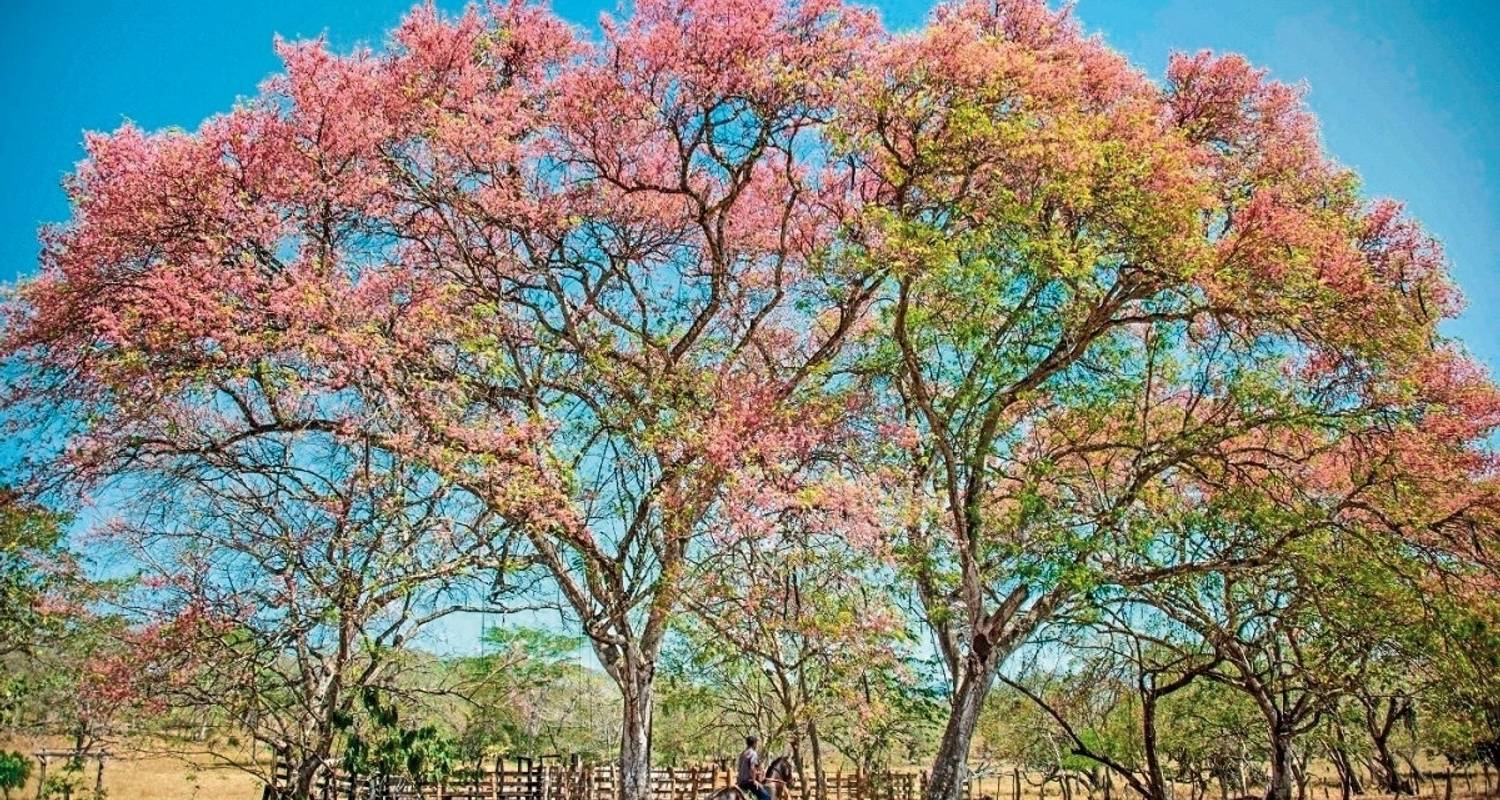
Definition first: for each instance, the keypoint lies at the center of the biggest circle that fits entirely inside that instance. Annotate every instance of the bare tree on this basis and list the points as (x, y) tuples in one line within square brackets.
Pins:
[(281, 579)]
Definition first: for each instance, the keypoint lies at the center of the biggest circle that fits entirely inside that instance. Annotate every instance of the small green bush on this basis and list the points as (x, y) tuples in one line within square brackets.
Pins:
[(15, 768)]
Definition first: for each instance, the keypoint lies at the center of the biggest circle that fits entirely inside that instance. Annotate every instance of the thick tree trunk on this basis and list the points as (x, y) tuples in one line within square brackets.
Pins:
[(1388, 772), (305, 776), (950, 765), (309, 769), (635, 740), (1279, 784)]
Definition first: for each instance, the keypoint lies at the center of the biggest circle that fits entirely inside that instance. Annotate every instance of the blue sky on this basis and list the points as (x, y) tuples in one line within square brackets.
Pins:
[(1403, 89)]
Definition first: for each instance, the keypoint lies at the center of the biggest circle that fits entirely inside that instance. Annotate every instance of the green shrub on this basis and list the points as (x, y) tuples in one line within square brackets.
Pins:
[(15, 768)]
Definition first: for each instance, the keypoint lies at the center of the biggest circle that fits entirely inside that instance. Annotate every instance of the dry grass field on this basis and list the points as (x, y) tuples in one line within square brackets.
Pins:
[(145, 776), (162, 778)]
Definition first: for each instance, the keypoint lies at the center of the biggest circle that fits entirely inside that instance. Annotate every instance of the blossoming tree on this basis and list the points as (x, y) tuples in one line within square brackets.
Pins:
[(593, 286), (1118, 306)]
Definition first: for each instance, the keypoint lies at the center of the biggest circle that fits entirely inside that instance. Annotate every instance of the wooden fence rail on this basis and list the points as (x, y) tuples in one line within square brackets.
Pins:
[(554, 779)]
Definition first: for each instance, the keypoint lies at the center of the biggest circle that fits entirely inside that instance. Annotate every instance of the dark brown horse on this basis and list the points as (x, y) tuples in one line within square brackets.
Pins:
[(780, 776)]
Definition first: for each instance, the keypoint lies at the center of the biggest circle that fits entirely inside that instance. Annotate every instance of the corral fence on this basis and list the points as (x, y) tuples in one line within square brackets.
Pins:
[(575, 779)]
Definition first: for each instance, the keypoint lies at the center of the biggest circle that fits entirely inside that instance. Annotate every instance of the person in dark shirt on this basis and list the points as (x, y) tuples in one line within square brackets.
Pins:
[(749, 774)]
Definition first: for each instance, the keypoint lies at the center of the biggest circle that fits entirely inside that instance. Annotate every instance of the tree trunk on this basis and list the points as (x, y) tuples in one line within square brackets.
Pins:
[(950, 764), (1388, 772), (1279, 782), (820, 778), (305, 777), (312, 762), (1416, 775), (1155, 776), (635, 740), (1348, 776), (797, 752), (1299, 772)]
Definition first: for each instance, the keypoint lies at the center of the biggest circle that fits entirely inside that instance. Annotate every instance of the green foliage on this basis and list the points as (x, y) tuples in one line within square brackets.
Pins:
[(1209, 729), (526, 694), (15, 769), (70, 783), (33, 562), (1013, 730), (14, 690), (52, 687), (525, 657), (377, 743)]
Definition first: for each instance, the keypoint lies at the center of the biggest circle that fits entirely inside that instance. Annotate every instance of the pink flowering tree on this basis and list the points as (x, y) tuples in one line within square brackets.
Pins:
[(593, 287), (1116, 306), (652, 333)]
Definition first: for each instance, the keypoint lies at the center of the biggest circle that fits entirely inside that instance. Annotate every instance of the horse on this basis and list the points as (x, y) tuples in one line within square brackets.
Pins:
[(780, 776)]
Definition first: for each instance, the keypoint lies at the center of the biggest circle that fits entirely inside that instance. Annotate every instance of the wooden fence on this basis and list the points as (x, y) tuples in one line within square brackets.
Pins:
[(502, 779), (573, 779), (885, 785)]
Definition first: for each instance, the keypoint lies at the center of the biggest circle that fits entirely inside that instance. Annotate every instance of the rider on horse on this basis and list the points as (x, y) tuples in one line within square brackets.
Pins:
[(750, 773)]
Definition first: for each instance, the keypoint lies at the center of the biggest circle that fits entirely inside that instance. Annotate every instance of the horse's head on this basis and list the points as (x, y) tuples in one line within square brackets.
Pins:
[(782, 769)]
